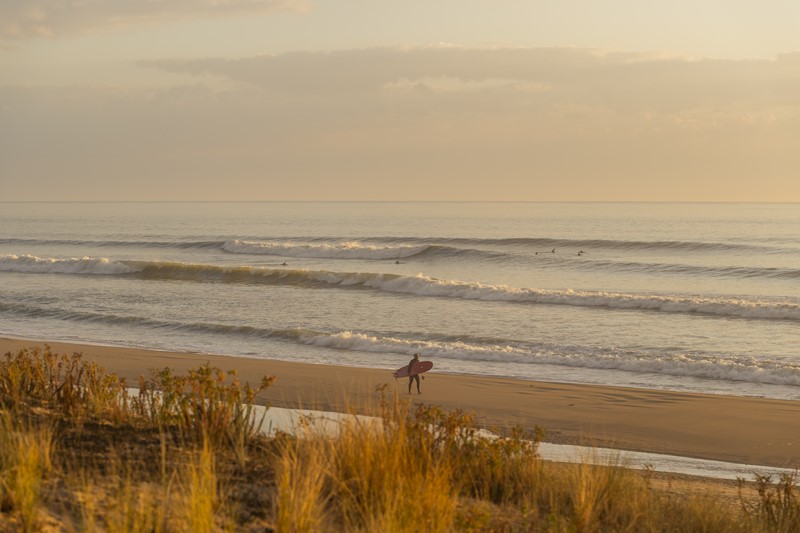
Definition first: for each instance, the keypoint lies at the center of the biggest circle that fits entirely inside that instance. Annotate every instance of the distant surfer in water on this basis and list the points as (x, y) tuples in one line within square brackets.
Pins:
[(415, 376)]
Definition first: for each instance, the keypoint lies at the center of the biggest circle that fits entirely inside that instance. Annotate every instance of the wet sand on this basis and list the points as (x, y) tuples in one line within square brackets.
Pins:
[(727, 428)]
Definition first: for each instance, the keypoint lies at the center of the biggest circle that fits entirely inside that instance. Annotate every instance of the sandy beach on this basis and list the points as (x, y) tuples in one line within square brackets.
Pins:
[(738, 429)]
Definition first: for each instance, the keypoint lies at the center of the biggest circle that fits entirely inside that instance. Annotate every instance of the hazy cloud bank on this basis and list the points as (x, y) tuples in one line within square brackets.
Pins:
[(445, 123), (588, 76)]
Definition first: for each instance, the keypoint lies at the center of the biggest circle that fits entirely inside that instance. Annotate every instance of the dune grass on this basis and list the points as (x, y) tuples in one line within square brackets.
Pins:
[(25, 451), (79, 453)]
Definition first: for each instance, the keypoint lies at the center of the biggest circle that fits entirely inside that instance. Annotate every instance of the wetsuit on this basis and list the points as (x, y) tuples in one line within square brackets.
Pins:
[(414, 377)]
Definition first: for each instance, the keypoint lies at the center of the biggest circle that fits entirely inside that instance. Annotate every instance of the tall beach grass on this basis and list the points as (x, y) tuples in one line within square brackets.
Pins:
[(79, 453)]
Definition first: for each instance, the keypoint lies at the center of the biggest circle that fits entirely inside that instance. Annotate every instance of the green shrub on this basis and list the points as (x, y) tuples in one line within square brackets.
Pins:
[(202, 405), (64, 383)]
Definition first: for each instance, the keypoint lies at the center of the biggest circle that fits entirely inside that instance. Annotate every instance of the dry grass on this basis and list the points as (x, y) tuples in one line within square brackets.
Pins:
[(25, 452), (301, 476), (204, 405), (62, 383), (78, 454)]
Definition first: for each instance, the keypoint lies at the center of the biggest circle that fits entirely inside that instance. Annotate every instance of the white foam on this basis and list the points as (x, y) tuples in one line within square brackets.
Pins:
[(74, 265), (729, 306), (342, 250), (688, 365), (427, 286), (456, 350)]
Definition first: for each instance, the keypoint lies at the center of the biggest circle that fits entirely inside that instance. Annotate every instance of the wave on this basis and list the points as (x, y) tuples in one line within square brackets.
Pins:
[(680, 269), (510, 251), (358, 250), (328, 245), (49, 265), (419, 285), (468, 348), (546, 244), (532, 244), (341, 250), (355, 250), (681, 365)]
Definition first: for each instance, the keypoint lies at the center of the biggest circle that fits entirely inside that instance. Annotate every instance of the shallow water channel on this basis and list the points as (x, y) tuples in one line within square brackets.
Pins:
[(295, 420)]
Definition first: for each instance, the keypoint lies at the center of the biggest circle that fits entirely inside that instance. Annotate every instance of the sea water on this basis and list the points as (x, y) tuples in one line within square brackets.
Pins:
[(687, 297)]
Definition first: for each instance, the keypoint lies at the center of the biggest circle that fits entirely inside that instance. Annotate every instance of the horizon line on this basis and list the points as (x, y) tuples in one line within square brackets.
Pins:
[(403, 201)]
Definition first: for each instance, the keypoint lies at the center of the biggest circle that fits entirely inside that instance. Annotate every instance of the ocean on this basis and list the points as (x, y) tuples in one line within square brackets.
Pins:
[(686, 297)]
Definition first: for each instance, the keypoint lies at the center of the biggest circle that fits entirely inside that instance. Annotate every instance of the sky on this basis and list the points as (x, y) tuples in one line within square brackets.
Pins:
[(453, 100)]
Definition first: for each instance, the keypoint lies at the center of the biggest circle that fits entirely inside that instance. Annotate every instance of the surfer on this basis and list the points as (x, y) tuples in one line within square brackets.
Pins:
[(411, 378)]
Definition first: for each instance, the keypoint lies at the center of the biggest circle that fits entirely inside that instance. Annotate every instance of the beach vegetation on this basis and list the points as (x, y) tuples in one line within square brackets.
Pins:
[(62, 383), (777, 505), (206, 405), (25, 460), (79, 451)]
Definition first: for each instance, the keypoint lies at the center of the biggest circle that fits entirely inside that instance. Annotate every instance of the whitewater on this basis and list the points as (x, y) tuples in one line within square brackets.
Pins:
[(689, 297)]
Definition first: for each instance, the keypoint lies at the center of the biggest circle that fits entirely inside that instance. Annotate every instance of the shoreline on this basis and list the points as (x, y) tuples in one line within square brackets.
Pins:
[(746, 430)]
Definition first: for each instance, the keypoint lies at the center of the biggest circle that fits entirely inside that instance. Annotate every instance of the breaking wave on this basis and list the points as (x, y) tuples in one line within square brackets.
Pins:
[(420, 285), (262, 245), (685, 365), (342, 250), (545, 244), (682, 269), (75, 265), (467, 348), (527, 252)]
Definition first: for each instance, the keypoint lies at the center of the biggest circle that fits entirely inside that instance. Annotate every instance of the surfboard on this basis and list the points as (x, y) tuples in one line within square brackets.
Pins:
[(418, 368)]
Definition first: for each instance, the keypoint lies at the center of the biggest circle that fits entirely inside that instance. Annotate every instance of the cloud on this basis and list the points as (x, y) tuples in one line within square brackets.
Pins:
[(27, 19), (421, 123), (371, 69), (619, 80)]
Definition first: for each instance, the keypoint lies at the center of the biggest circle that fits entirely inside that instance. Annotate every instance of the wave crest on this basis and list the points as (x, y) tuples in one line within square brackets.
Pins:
[(74, 265), (342, 250), (684, 365), (466, 348), (419, 285)]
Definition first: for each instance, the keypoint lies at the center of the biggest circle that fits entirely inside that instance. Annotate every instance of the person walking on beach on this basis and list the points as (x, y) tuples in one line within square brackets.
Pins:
[(415, 376)]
